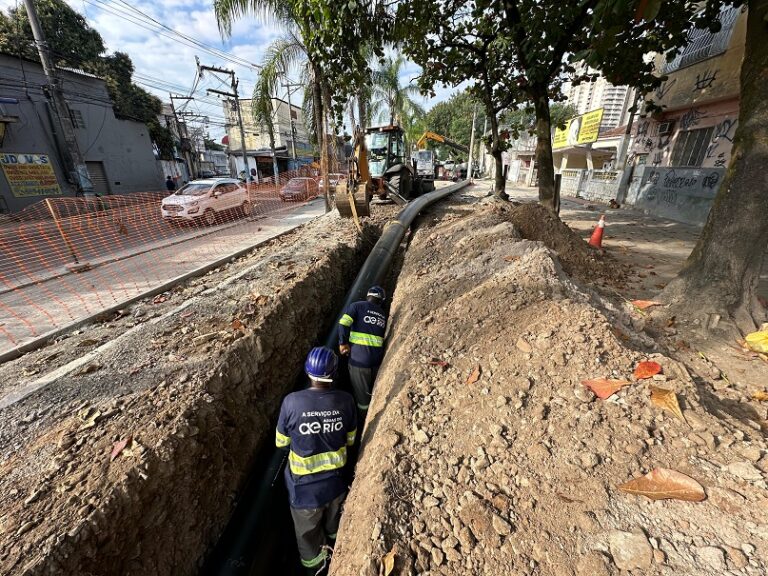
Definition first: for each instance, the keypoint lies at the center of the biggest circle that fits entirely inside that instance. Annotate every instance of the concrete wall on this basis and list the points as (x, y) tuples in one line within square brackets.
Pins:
[(123, 146), (682, 194)]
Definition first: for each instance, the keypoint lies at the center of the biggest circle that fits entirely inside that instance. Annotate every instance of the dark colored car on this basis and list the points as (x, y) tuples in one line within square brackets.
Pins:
[(299, 189)]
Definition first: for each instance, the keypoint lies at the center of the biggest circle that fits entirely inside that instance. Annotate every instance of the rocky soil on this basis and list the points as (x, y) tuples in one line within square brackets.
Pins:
[(484, 454), (130, 462)]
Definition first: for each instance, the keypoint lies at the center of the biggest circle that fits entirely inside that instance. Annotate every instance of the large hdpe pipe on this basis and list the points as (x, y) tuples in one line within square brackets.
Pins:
[(249, 541)]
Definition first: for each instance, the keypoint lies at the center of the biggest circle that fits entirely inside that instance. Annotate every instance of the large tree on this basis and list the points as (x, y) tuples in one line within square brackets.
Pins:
[(453, 118), (721, 275)]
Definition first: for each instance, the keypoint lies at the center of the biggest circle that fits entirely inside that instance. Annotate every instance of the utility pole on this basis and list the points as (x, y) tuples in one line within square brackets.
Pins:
[(183, 136), (472, 141), (235, 97), (288, 86), (69, 149)]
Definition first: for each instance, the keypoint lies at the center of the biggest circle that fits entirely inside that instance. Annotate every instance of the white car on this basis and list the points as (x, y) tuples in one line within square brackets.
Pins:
[(206, 199)]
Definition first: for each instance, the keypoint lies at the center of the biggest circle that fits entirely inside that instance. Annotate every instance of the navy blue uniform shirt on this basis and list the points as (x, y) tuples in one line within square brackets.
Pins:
[(363, 326), (317, 426)]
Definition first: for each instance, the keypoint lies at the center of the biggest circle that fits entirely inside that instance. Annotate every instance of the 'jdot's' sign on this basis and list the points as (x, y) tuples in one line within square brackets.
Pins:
[(30, 175)]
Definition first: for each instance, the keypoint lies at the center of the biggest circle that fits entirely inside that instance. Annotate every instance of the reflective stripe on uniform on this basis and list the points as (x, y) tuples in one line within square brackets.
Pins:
[(346, 320), (364, 339), (362, 407), (351, 437), (316, 561), (303, 465), (332, 536), (281, 440)]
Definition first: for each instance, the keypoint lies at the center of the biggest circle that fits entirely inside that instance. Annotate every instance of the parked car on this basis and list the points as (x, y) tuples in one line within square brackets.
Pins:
[(334, 178), (299, 189), (206, 199)]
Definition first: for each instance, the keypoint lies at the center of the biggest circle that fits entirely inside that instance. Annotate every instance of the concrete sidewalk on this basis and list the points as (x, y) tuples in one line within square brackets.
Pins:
[(36, 310)]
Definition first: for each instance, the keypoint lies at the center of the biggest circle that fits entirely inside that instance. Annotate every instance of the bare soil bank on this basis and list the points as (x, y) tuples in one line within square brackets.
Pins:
[(131, 463), (484, 454)]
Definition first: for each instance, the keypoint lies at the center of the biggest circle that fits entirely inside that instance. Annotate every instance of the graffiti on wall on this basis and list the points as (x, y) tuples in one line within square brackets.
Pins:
[(664, 89), (690, 118), (668, 185), (705, 80), (722, 135)]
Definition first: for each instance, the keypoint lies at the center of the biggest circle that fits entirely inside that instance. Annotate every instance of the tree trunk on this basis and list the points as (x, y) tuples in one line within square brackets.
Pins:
[(351, 111), (362, 111), (499, 183), (317, 104), (544, 161), (721, 275)]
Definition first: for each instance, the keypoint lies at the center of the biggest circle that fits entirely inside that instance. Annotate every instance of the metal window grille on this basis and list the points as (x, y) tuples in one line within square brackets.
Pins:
[(703, 44), (691, 147), (77, 118)]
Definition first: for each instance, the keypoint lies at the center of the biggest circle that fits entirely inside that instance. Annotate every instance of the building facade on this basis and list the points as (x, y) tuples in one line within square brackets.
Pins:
[(118, 153), (257, 137), (614, 100)]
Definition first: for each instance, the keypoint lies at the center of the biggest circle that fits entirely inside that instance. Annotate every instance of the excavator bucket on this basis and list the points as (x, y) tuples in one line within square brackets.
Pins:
[(353, 203)]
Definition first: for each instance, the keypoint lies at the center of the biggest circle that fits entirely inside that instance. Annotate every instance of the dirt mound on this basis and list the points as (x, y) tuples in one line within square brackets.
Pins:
[(484, 454), (578, 258)]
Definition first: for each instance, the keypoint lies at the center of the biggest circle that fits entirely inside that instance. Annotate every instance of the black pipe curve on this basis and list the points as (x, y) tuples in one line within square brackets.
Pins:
[(240, 549)]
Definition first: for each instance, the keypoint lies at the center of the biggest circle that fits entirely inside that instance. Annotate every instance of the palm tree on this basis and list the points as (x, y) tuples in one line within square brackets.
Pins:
[(390, 97), (283, 53)]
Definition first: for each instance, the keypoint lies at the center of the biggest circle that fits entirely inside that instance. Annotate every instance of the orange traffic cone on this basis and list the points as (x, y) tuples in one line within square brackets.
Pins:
[(596, 240)]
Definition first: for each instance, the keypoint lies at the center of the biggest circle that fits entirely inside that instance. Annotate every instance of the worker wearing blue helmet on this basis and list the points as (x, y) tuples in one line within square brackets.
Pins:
[(317, 425), (361, 337)]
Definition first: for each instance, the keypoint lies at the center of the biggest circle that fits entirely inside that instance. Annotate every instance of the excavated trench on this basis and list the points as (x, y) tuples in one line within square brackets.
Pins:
[(259, 539), (192, 398)]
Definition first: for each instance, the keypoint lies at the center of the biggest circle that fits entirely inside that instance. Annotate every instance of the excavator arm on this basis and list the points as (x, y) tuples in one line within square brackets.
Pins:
[(353, 197), (421, 143)]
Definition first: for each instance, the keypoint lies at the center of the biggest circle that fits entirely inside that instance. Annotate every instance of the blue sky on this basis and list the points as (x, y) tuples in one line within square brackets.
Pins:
[(164, 64)]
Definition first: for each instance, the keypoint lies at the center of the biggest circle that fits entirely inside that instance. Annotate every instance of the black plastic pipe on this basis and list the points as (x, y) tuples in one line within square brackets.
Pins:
[(249, 543)]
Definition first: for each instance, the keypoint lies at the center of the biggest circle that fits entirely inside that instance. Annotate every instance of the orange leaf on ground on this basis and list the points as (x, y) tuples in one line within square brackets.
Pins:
[(643, 304), (388, 563), (604, 387), (760, 396), (475, 376), (662, 483), (119, 447), (666, 400), (236, 324), (647, 370)]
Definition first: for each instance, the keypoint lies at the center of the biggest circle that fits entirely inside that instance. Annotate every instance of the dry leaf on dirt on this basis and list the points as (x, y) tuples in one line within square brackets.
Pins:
[(118, 447), (662, 483), (387, 563), (259, 299), (647, 370), (438, 362), (159, 299), (760, 396), (643, 304), (666, 400), (605, 387), (237, 324), (475, 376)]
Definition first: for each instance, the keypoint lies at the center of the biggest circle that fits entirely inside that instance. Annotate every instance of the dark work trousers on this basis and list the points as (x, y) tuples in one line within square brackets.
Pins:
[(313, 526), (362, 380)]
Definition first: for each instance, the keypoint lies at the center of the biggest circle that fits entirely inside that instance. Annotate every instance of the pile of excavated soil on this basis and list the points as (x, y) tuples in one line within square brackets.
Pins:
[(579, 259), (484, 454), (130, 464)]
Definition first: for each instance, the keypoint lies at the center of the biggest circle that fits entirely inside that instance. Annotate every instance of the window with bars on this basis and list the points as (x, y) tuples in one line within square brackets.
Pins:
[(77, 118), (691, 147), (703, 44)]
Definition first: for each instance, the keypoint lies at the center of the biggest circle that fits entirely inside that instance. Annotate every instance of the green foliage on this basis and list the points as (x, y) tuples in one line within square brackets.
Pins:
[(453, 118), (71, 40), (212, 145), (391, 102)]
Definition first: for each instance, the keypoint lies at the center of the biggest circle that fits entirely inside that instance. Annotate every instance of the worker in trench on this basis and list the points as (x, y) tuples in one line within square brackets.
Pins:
[(317, 425), (361, 337)]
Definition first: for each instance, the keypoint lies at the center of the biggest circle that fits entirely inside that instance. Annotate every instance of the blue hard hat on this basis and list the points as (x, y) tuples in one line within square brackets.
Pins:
[(376, 292), (321, 364)]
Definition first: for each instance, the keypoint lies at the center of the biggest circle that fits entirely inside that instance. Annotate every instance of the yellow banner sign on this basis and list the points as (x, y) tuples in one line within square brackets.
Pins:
[(30, 175), (582, 129)]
